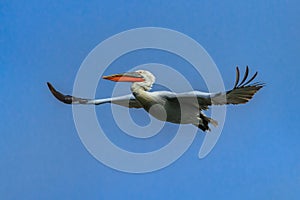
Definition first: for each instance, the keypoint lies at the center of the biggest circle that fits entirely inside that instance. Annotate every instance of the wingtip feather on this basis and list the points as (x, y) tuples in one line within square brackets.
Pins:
[(237, 79), (59, 96)]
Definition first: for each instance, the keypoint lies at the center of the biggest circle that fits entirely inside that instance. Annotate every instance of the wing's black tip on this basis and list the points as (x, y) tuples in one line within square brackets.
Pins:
[(237, 79), (244, 82), (63, 98), (51, 88)]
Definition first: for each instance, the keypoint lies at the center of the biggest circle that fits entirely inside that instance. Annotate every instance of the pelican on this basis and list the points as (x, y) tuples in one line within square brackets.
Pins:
[(178, 108)]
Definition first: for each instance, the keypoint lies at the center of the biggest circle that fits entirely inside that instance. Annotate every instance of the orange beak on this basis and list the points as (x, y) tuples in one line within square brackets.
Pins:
[(125, 77)]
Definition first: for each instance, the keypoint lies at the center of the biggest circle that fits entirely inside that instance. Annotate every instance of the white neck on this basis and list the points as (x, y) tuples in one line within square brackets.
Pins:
[(141, 86)]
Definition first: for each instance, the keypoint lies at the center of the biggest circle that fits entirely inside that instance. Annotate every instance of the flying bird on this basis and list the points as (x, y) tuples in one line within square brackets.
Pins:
[(178, 108)]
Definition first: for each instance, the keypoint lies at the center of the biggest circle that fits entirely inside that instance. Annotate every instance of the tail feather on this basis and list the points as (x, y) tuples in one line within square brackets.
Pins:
[(204, 122)]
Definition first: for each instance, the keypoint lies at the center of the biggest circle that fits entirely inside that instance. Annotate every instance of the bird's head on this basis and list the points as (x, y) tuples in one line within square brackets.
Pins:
[(140, 79)]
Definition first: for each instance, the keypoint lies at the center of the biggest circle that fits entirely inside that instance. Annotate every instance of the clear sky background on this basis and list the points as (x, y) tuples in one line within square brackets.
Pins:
[(41, 155)]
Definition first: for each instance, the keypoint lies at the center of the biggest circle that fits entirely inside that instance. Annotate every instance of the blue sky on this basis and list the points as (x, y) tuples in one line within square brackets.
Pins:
[(42, 157)]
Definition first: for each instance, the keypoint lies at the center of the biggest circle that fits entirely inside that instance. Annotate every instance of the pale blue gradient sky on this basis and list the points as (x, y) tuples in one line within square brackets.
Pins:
[(41, 155)]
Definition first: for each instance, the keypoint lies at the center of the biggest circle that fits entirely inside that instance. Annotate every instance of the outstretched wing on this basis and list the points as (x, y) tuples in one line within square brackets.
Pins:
[(126, 100), (241, 93)]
